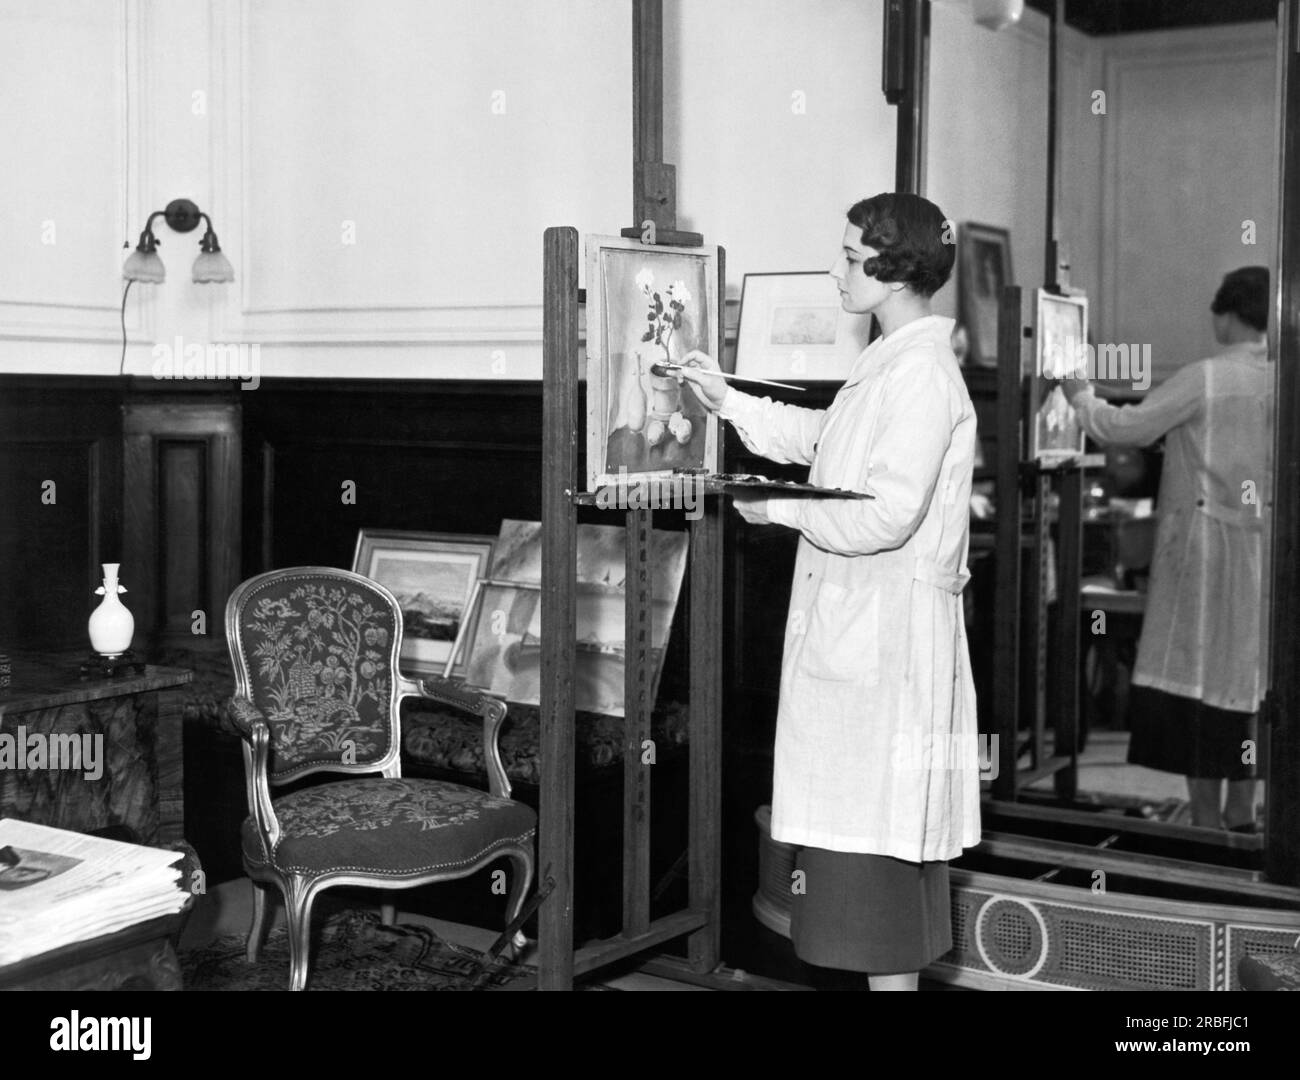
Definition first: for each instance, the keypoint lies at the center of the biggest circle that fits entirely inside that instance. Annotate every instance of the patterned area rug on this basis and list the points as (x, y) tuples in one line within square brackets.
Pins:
[(352, 950)]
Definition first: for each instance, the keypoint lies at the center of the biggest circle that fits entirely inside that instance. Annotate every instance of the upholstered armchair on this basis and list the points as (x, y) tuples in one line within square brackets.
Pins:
[(315, 654)]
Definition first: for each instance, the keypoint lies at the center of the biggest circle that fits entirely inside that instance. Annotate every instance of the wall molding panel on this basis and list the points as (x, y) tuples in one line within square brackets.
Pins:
[(81, 309), (1145, 64)]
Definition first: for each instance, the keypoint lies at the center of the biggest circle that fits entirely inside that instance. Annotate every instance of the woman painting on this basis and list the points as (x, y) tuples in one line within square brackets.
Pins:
[(1198, 678), (876, 767)]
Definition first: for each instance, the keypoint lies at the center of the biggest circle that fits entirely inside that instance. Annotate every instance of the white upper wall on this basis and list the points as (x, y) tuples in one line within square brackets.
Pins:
[(1190, 157), (62, 189), (380, 174), (1155, 189), (776, 122), (987, 152)]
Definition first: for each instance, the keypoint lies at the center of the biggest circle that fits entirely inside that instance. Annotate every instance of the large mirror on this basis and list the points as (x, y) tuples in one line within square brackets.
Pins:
[(1169, 118)]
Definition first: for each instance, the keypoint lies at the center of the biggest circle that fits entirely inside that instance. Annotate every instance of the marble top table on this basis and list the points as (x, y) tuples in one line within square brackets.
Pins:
[(89, 753)]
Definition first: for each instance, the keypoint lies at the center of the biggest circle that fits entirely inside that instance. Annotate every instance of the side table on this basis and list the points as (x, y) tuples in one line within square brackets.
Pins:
[(133, 724), (141, 957)]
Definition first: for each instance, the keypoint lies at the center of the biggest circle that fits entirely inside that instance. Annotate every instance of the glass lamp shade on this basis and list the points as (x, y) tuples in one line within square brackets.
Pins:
[(212, 268), (996, 14), (144, 266)]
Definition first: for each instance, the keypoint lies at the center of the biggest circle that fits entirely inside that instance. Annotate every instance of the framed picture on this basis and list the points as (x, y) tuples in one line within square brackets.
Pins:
[(507, 599), (793, 327), (984, 267), (502, 638), (1061, 329), (433, 576), (647, 305)]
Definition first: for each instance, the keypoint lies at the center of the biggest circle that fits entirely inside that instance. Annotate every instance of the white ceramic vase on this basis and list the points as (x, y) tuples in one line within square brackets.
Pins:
[(111, 624)]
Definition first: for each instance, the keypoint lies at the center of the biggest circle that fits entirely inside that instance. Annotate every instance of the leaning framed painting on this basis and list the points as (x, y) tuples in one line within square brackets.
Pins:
[(647, 305), (501, 639), (506, 594), (794, 326), (433, 576), (983, 268)]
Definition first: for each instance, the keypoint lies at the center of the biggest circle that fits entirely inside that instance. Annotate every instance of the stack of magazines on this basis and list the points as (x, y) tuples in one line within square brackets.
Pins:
[(59, 887)]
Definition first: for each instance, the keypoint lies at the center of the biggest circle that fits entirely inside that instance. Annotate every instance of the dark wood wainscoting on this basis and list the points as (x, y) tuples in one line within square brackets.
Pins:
[(194, 487), (60, 506), (323, 460), (181, 516)]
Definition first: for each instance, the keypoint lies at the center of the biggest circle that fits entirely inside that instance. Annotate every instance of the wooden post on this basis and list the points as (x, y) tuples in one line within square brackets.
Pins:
[(1034, 685), (905, 73), (636, 725), (1065, 677), (1056, 270), (1058, 667), (559, 607), (654, 183), (1006, 616), (1282, 855), (705, 826)]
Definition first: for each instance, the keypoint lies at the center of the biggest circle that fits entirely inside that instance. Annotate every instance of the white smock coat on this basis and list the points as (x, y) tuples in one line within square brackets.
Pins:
[(876, 741), (1203, 634)]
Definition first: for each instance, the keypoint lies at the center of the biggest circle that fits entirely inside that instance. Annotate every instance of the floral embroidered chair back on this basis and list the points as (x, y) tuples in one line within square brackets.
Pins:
[(316, 652)]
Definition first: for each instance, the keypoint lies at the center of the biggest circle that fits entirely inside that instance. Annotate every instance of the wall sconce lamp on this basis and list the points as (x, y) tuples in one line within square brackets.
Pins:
[(144, 263)]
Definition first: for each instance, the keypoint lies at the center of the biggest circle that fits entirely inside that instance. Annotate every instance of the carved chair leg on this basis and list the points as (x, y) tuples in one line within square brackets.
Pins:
[(522, 878), (388, 914), (258, 926), (300, 894)]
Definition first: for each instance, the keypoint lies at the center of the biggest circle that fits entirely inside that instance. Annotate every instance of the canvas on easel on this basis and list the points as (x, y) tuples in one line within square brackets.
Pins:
[(1061, 334), (647, 305), (650, 305)]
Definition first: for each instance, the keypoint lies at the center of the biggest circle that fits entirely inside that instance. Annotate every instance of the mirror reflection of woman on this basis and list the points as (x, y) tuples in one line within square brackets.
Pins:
[(876, 766), (1198, 679)]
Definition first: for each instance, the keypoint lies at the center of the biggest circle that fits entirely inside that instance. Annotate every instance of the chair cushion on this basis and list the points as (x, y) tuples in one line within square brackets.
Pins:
[(402, 826)]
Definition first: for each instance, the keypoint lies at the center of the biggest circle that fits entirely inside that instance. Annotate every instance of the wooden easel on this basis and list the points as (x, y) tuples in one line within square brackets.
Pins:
[(654, 203), (1042, 679)]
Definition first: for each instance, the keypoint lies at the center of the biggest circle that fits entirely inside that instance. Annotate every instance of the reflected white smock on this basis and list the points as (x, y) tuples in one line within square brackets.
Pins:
[(875, 678), (1204, 631)]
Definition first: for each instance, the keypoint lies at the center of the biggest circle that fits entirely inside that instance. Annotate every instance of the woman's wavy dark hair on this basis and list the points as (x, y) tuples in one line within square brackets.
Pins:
[(1244, 293), (915, 241)]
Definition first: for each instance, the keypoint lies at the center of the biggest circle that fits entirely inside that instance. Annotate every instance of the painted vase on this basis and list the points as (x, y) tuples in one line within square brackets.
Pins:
[(631, 400), (111, 624), (666, 422)]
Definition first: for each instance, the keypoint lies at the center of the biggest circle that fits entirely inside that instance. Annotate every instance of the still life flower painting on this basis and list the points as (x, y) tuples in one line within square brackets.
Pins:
[(647, 307)]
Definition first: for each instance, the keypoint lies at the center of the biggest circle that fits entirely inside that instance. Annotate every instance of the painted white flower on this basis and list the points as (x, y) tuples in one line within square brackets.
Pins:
[(678, 291), (645, 279)]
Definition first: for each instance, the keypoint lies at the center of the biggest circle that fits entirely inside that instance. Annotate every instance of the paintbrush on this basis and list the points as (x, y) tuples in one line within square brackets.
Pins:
[(668, 369)]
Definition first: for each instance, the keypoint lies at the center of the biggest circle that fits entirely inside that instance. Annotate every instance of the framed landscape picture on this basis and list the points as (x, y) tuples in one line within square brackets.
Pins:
[(433, 576), (647, 305), (794, 327), (983, 268), (1061, 332)]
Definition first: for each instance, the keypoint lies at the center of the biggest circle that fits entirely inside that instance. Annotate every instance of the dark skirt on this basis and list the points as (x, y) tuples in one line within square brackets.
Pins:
[(1184, 735), (870, 913)]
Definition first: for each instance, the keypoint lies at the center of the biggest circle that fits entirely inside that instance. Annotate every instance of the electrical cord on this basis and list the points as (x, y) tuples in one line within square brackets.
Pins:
[(121, 367)]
